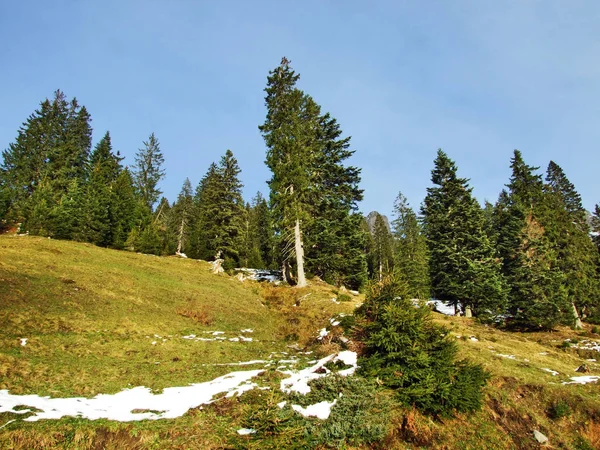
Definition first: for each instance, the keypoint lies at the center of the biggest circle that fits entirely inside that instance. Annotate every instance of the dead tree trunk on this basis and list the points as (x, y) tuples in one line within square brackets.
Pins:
[(299, 254), (578, 324)]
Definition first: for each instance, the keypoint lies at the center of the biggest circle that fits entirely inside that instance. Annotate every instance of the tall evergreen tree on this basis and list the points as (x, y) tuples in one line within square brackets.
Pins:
[(290, 134), (411, 257), (382, 251), (261, 224), (51, 151), (122, 208), (220, 212), (334, 238), (462, 265), (538, 298), (99, 199), (148, 171), (566, 225), (181, 216)]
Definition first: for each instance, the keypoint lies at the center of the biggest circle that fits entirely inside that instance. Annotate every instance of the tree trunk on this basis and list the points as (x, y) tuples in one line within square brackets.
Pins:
[(180, 238), (380, 270), (299, 254), (468, 312), (578, 324)]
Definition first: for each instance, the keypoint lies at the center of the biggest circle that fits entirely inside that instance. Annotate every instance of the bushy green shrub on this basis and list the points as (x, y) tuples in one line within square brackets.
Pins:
[(344, 298), (409, 353), (559, 409)]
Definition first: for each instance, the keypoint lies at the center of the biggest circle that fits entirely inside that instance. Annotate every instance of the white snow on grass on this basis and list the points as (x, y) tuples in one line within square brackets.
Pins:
[(322, 333), (135, 404), (298, 381), (506, 356), (441, 307), (23, 342), (319, 410), (553, 372), (583, 379), (139, 403), (247, 330), (246, 431)]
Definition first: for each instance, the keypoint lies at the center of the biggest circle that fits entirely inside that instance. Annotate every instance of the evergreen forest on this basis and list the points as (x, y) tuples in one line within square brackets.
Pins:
[(529, 261)]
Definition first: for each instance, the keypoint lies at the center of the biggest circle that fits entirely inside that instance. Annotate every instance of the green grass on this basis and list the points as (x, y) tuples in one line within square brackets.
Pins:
[(90, 316)]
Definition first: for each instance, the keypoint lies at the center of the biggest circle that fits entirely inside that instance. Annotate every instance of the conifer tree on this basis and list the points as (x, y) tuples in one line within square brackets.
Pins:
[(148, 171), (260, 223), (334, 238), (122, 208), (568, 231), (382, 249), (220, 212), (289, 131), (99, 200), (411, 258), (538, 298), (51, 150), (462, 265), (181, 216)]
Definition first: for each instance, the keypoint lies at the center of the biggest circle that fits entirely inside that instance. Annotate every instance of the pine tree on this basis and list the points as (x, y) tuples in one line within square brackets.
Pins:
[(411, 257), (462, 265), (334, 238), (538, 298), (382, 251), (122, 208), (98, 207), (181, 216), (408, 352), (568, 231), (290, 134), (220, 213), (50, 152), (148, 171), (260, 223)]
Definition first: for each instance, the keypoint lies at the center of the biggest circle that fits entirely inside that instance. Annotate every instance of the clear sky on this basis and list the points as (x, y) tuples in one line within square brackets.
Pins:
[(404, 78)]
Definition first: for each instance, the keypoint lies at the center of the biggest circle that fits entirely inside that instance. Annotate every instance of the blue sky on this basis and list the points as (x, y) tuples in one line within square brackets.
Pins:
[(404, 78)]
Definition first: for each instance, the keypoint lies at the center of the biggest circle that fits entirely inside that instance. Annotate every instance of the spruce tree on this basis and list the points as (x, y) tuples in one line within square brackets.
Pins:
[(260, 223), (334, 238), (220, 213), (408, 352), (538, 297), (148, 171), (290, 135), (50, 152), (462, 265), (122, 208), (566, 225), (181, 213), (411, 257), (99, 200), (382, 251)]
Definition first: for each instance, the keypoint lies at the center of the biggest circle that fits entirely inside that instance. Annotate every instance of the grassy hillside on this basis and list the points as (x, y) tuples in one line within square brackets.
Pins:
[(98, 321)]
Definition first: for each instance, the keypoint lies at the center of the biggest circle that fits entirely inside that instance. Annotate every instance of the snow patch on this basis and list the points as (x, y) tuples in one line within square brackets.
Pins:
[(319, 410), (583, 380), (506, 356), (23, 342), (246, 431), (171, 403), (441, 307), (322, 333), (553, 372), (298, 381)]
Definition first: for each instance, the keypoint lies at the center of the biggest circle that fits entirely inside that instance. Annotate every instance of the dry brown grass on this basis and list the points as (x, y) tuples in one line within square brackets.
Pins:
[(201, 313)]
